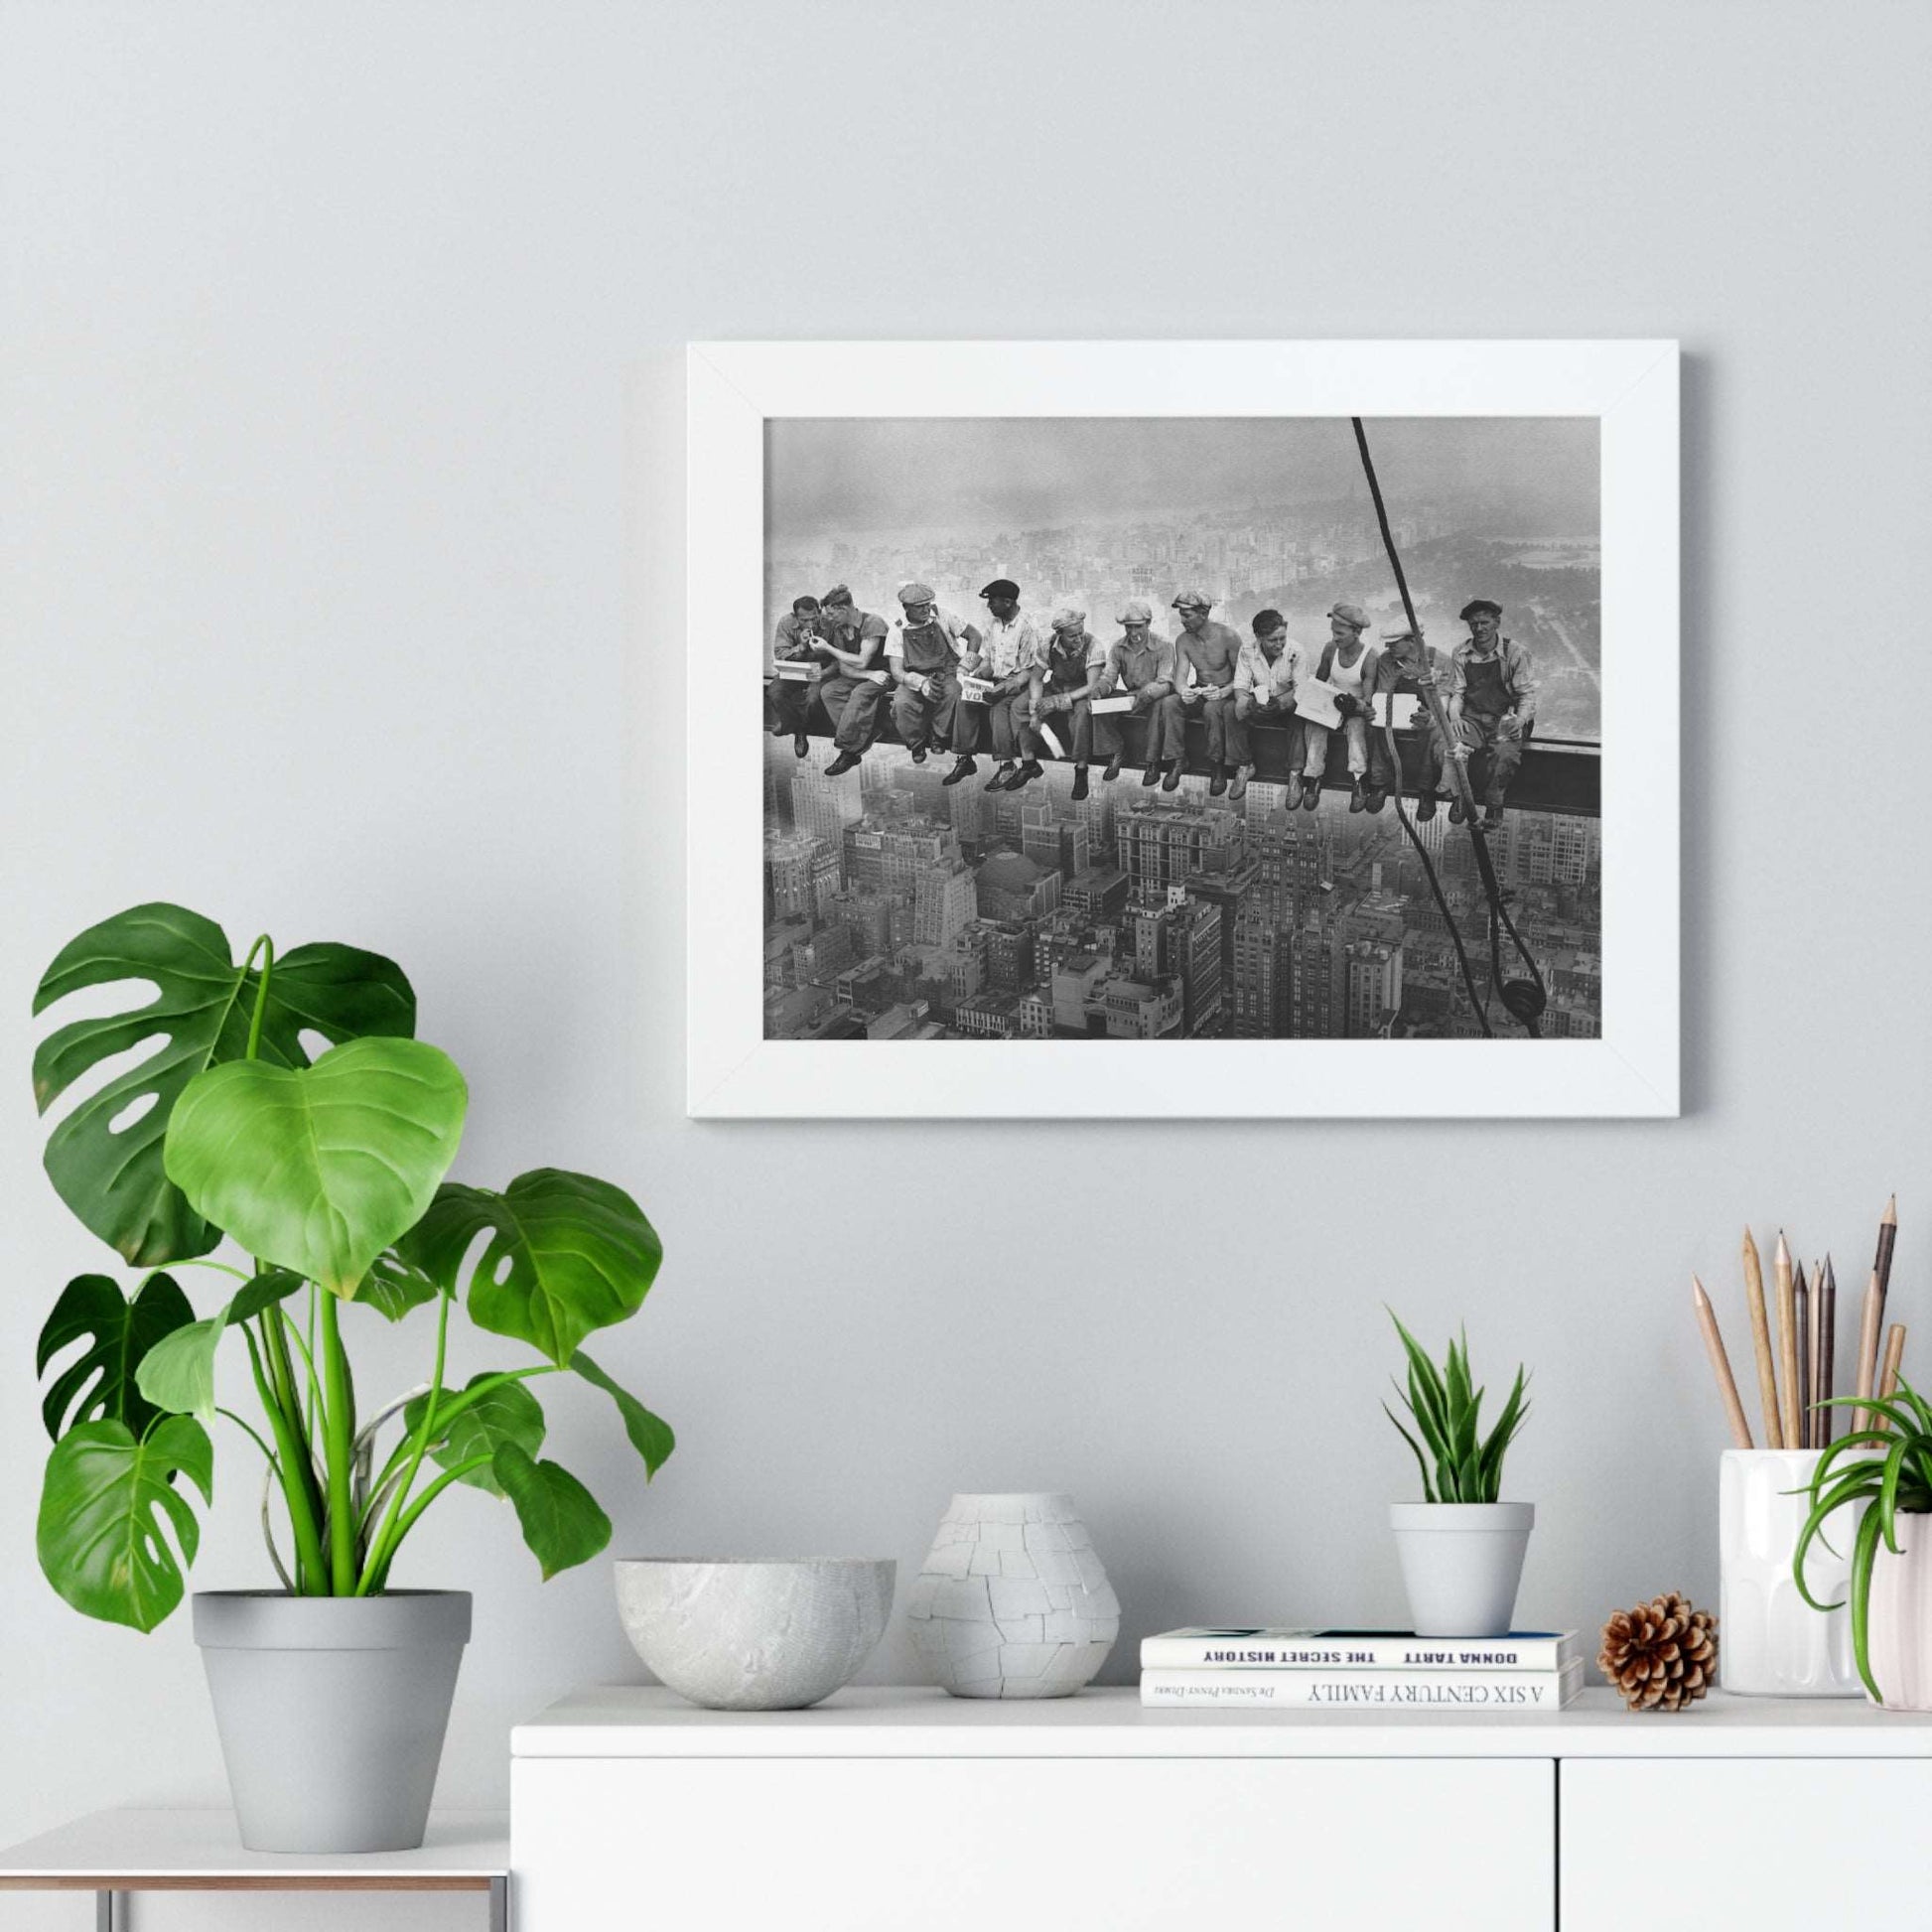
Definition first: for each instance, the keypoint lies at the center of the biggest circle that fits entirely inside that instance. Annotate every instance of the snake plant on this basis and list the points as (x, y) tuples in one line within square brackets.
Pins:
[(1447, 1408)]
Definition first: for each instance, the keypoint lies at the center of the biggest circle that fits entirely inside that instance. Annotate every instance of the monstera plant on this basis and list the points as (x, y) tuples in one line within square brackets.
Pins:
[(327, 1170)]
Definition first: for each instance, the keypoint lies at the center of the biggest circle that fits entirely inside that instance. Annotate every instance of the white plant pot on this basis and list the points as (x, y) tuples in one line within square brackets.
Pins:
[(1770, 1641), (1899, 1638), (1461, 1563), (1012, 1600)]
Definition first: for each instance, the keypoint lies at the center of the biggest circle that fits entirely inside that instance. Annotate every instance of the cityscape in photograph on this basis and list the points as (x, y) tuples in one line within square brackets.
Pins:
[(899, 908)]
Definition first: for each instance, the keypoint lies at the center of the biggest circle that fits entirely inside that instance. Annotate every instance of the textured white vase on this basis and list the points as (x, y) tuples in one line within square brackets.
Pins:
[(1012, 1600), (738, 1635), (1899, 1639), (1461, 1563), (1770, 1641)]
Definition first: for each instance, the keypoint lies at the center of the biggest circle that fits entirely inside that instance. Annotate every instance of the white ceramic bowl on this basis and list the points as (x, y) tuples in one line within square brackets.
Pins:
[(739, 1634)]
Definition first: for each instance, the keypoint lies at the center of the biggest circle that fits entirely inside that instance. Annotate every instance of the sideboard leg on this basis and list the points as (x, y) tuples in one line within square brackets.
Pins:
[(106, 1917), (499, 1905)]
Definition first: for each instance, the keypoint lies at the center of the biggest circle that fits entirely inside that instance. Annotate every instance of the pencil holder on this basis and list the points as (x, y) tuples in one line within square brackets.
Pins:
[(1771, 1642)]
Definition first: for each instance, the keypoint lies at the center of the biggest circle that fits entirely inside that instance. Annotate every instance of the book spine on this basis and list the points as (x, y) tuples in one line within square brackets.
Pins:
[(1354, 1653), (1360, 1690)]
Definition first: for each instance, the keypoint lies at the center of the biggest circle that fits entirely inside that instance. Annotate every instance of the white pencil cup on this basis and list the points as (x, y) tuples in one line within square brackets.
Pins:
[(1770, 1641)]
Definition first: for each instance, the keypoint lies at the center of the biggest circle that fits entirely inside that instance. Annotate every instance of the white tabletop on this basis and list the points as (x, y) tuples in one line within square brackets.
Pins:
[(132, 1851), (636, 1720)]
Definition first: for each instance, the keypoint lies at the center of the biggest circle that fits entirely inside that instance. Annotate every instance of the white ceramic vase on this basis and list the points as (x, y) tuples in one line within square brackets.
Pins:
[(1012, 1600), (1899, 1638), (1770, 1641), (1461, 1563)]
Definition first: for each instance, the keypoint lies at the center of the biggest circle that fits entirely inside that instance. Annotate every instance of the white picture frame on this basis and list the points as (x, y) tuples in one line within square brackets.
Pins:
[(1631, 1071)]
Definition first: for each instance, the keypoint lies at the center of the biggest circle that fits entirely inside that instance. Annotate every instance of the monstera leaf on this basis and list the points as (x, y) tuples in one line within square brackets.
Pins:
[(650, 1435), (320, 1169), (508, 1413), (105, 1507), (394, 1284), (560, 1519), (177, 1375), (99, 1385), (566, 1255), (202, 1006)]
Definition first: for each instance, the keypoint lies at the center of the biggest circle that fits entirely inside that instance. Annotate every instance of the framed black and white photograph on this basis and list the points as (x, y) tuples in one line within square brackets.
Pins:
[(1184, 729)]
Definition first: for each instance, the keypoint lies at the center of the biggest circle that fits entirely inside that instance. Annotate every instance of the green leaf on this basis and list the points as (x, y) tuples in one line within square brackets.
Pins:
[(320, 1169), (393, 1286), (115, 1182), (178, 1374), (121, 1331), (1428, 1487), (106, 1507), (650, 1435), (561, 1521), (566, 1255), (263, 1291), (508, 1413)]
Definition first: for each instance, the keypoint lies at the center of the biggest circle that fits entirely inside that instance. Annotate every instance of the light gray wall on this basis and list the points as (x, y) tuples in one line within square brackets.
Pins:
[(342, 598)]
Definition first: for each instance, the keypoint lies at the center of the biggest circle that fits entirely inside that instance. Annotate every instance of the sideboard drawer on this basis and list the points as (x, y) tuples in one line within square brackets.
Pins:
[(1686, 1846), (1034, 1845)]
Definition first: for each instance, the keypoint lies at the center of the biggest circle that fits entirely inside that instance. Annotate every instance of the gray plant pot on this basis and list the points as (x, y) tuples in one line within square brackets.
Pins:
[(331, 1710)]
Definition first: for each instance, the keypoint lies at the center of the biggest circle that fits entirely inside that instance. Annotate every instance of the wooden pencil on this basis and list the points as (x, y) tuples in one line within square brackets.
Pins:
[(1895, 1360), (1801, 1326), (1768, 1376), (1868, 1351), (1827, 1354), (1882, 1261), (1714, 1346)]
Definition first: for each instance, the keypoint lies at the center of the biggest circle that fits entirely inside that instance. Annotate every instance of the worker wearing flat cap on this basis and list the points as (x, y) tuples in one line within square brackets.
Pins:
[(857, 684), (1141, 665), (1067, 678), (923, 653), (1009, 647), (1404, 662), (1264, 694), (1491, 703), (1208, 656), (789, 698), (1348, 665)]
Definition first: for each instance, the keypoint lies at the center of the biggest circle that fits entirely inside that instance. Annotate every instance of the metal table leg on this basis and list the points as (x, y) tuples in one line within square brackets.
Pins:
[(499, 1905), (109, 1917)]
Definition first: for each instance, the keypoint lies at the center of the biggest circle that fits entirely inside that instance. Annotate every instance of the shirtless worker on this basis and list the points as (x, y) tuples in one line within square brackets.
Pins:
[(1208, 653)]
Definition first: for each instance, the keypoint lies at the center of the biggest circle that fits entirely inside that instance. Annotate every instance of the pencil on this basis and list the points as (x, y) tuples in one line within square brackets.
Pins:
[(1714, 1346), (1801, 1327), (1768, 1376), (1889, 1376), (1788, 1398), (1827, 1354), (1882, 1261), (1868, 1351)]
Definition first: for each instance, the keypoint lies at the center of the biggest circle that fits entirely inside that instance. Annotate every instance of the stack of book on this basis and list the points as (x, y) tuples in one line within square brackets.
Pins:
[(1234, 1669)]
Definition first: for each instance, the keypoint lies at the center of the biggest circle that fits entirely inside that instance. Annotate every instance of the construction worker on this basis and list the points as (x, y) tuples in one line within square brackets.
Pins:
[(856, 686), (1009, 647), (1208, 653), (1263, 693), (1142, 665), (1491, 705), (1402, 657), (1070, 674), (1347, 663), (923, 653), (787, 701)]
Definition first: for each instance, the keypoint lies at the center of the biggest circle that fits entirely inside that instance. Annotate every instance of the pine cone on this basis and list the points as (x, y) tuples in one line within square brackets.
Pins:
[(1661, 1655)]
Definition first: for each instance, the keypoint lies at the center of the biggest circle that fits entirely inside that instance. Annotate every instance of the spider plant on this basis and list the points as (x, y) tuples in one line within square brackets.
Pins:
[(1446, 1407), (1885, 1465)]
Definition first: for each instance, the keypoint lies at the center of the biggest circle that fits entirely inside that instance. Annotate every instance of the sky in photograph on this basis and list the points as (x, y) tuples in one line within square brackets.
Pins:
[(841, 477)]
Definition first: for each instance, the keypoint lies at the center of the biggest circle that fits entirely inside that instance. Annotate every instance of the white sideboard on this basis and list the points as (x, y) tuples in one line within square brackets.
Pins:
[(908, 1811)]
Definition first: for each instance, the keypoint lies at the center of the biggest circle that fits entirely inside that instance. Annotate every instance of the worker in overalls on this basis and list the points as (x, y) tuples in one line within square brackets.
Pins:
[(1141, 665), (923, 653), (1402, 657), (1347, 663), (855, 690), (1009, 647), (787, 701), (1264, 694), (1208, 653), (1068, 677), (1491, 705)]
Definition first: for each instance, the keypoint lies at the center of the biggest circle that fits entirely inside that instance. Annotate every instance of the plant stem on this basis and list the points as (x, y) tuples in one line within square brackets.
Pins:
[(424, 1434), (422, 1502), (309, 1569), (252, 1435), (338, 1450), (282, 1374), (265, 946)]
